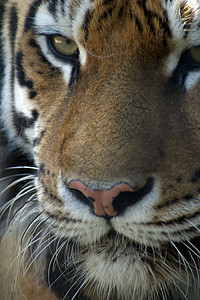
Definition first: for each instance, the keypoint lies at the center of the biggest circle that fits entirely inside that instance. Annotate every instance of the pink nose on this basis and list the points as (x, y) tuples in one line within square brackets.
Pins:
[(101, 199)]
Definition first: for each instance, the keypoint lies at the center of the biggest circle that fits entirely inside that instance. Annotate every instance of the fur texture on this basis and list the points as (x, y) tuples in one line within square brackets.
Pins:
[(101, 92)]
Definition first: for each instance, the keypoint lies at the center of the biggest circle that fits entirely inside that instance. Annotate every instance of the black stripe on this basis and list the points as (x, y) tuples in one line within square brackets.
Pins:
[(196, 176), (75, 73), (108, 12), (52, 6), (13, 24), (42, 169), (120, 13), (44, 60), (177, 220), (1, 45), (108, 2), (37, 141), (149, 15), (62, 3), (21, 122), (105, 15), (31, 14), (138, 24), (35, 115), (131, 13), (20, 72), (32, 94), (33, 43), (165, 24), (86, 23)]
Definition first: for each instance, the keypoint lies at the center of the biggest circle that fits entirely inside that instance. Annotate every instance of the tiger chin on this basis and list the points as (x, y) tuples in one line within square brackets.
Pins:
[(100, 149)]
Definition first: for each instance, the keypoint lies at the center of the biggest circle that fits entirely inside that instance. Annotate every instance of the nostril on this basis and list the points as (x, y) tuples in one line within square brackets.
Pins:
[(89, 201), (126, 199), (82, 198)]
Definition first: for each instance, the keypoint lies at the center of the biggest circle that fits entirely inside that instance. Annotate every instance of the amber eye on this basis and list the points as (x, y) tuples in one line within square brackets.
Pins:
[(62, 46), (195, 54)]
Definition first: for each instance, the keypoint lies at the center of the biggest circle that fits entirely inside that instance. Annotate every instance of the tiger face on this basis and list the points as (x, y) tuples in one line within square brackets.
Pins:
[(103, 98)]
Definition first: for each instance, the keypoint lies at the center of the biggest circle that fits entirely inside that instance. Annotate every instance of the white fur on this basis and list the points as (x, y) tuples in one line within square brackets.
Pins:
[(179, 42)]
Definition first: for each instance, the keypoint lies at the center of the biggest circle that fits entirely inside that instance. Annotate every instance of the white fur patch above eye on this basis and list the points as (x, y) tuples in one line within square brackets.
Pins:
[(184, 20), (180, 13)]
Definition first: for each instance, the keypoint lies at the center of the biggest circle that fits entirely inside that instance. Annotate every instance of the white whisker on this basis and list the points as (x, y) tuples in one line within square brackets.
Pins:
[(22, 167), (25, 178)]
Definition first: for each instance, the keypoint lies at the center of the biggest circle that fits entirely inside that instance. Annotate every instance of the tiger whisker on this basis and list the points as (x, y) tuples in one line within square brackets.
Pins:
[(42, 241), (32, 223), (22, 167), (23, 193), (74, 284), (14, 175), (7, 206), (25, 178), (55, 261)]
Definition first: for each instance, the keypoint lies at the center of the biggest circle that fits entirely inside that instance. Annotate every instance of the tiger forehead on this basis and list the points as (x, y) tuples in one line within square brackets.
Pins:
[(124, 25), (141, 10), (151, 16), (148, 15)]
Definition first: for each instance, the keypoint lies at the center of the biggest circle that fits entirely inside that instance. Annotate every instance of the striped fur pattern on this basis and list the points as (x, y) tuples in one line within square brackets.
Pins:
[(121, 107)]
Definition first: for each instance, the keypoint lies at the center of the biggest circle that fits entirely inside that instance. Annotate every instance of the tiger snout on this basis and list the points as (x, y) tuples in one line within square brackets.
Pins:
[(111, 202)]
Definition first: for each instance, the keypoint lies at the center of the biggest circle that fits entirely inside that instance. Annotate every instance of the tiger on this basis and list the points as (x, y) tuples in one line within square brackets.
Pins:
[(100, 149)]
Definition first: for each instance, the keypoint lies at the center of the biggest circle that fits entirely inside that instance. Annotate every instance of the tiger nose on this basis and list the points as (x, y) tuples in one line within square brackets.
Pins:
[(102, 200)]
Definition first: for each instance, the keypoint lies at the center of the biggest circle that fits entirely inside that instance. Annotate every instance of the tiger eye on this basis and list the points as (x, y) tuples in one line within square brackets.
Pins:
[(63, 45)]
